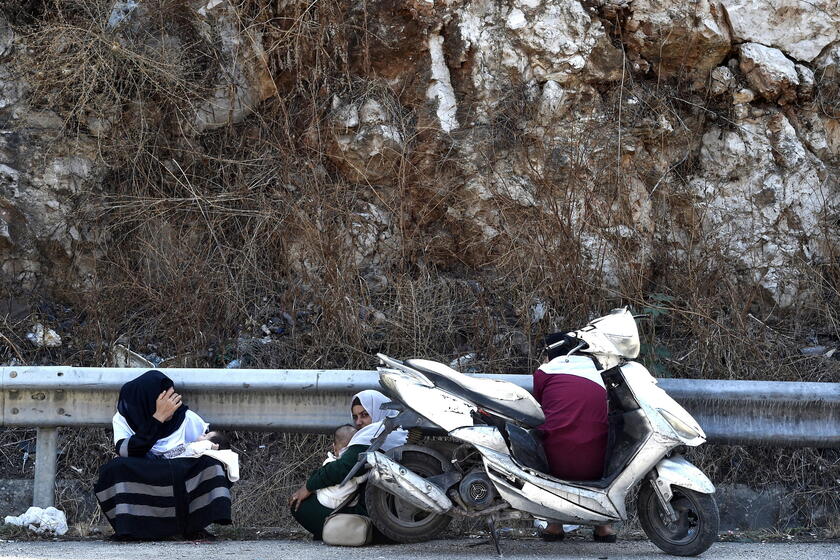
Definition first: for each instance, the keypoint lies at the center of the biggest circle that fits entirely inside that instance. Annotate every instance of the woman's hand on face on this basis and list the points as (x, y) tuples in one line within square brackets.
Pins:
[(299, 496), (167, 403)]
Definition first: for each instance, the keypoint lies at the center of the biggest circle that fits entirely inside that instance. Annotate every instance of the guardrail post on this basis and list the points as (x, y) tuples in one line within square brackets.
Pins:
[(46, 452)]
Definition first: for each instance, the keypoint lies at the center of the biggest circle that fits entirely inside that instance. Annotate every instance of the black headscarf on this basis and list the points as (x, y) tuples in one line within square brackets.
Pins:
[(138, 402)]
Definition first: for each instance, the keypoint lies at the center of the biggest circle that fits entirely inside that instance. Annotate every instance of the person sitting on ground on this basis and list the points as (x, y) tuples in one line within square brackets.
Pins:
[(368, 417), (145, 496), (334, 496)]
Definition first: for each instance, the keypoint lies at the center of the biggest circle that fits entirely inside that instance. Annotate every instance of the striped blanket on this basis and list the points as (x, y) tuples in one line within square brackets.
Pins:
[(157, 498)]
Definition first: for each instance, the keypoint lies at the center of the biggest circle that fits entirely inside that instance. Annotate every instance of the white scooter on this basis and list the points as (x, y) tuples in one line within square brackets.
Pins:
[(499, 471)]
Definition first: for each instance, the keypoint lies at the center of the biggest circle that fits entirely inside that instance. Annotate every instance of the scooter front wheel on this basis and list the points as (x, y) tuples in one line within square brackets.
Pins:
[(398, 520), (695, 529)]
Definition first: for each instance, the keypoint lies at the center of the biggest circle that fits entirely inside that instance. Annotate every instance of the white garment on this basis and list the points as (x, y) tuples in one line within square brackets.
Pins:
[(371, 401), (228, 458), (194, 449), (580, 366), (332, 496), (192, 428)]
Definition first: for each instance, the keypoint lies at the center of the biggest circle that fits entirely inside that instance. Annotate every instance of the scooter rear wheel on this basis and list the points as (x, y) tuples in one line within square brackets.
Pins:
[(402, 522), (695, 529)]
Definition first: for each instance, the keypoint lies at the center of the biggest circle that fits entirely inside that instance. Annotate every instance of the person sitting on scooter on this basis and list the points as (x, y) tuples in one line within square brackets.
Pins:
[(574, 400)]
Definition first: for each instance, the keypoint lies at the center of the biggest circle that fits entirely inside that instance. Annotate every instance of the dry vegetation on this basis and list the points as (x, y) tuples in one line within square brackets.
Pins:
[(206, 238)]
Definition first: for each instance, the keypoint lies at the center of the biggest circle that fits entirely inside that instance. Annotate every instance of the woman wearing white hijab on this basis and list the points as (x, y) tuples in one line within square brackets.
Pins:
[(368, 417)]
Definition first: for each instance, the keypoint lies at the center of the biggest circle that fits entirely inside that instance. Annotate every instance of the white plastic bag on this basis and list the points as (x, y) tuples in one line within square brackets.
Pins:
[(50, 520)]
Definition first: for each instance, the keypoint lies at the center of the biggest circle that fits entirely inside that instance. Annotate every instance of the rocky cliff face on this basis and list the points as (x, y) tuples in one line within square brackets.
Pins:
[(612, 141)]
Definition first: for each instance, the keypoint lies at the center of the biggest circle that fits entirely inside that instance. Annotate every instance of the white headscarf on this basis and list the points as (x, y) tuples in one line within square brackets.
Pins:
[(371, 401)]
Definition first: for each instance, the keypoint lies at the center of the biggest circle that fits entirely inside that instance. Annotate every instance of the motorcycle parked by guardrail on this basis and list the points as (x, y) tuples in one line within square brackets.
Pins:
[(499, 470)]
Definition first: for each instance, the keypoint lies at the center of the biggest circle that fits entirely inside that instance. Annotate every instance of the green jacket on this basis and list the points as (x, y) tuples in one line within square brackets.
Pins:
[(333, 473)]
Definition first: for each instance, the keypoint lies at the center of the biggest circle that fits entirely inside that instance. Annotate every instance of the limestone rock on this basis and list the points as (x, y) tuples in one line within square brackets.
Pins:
[(552, 40), (245, 77), (495, 116), (12, 225), (743, 95), (722, 80), (368, 141), (827, 76), (799, 28), (121, 11), (679, 37), (440, 89), (769, 72), (36, 217), (832, 135), (66, 174), (7, 37), (372, 237), (806, 82), (11, 89), (815, 131), (828, 65), (41, 336), (554, 100), (763, 195), (532, 41)]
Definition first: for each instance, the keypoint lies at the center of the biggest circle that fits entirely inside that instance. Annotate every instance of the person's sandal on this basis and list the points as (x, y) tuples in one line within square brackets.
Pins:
[(603, 538), (200, 535), (552, 537)]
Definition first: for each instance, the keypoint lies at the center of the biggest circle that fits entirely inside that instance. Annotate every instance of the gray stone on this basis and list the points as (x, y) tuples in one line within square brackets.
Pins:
[(769, 72), (246, 79), (368, 140), (676, 37), (744, 95), (799, 28), (722, 80), (828, 64), (11, 90), (7, 37), (806, 82)]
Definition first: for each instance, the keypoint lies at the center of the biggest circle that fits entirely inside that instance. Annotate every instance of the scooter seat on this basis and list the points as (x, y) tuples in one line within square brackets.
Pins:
[(501, 397)]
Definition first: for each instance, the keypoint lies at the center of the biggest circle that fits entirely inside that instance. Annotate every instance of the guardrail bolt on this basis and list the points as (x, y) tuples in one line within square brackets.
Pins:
[(61, 411), (15, 411), (13, 374)]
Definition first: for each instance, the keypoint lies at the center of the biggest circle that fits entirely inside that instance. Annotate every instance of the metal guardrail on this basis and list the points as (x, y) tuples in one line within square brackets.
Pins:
[(731, 412)]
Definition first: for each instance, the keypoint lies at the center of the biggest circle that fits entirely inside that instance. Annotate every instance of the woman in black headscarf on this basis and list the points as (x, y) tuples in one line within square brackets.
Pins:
[(145, 495)]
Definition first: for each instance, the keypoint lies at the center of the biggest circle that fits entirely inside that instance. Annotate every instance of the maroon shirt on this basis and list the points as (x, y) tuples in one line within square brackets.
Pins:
[(575, 429)]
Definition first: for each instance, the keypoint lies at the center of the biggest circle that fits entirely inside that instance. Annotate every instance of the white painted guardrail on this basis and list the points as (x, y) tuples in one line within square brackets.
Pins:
[(731, 412)]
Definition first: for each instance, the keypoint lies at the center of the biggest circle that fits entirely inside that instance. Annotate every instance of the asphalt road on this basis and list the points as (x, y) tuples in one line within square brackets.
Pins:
[(456, 548)]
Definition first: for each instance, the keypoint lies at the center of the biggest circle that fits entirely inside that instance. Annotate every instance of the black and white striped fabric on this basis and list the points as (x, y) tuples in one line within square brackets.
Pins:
[(157, 498)]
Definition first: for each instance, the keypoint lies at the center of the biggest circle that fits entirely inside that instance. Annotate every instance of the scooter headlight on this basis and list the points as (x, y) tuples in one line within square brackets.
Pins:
[(683, 429)]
